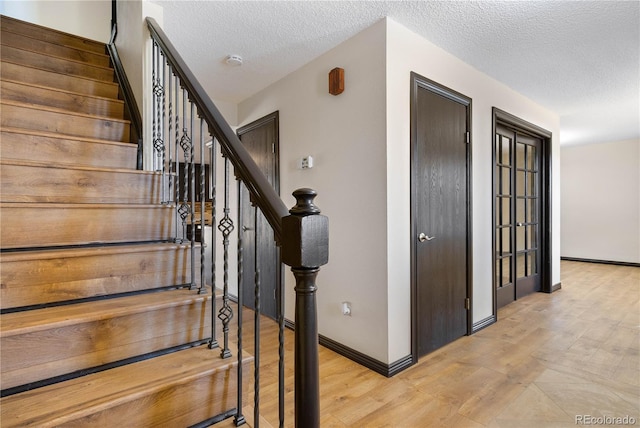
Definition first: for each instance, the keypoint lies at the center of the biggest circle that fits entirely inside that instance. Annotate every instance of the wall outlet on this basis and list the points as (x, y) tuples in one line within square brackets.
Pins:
[(346, 308)]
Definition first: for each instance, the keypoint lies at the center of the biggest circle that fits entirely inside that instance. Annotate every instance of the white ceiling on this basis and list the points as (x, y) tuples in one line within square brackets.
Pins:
[(580, 59)]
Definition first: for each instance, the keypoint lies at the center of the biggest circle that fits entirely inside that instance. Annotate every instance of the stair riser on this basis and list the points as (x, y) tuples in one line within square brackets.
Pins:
[(50, 79), (41, 225), (60, 150), (40, 281), (17, 116), (181, 405), (58, 65), (29, 183), (51, 36), (73, 102), (70, 348), (20, 41)]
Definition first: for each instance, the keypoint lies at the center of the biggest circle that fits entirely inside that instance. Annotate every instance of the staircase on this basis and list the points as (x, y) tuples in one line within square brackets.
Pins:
[(99, 325)]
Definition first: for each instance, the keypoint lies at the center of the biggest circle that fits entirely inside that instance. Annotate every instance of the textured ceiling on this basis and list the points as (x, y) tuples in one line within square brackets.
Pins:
[(580, 59)]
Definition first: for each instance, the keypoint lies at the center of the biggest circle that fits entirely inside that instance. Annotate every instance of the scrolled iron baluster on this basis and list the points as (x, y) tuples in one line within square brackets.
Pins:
[(202, 289), (158, 93), (184, 210), (170, 190), (226, 227), (192, 205)]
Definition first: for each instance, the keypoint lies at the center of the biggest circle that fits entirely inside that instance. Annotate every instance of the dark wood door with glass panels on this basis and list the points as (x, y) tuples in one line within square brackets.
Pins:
[(518, 183)]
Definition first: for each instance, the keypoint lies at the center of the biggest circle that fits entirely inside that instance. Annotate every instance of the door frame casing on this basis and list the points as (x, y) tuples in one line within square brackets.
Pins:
[(418, 81), (520, 125)]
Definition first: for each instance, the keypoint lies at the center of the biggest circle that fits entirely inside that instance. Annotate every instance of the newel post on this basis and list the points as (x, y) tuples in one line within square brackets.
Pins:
[(305, 247)]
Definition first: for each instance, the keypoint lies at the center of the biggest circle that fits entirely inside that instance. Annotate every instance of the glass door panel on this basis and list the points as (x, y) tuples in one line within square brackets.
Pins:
[(517, 212)]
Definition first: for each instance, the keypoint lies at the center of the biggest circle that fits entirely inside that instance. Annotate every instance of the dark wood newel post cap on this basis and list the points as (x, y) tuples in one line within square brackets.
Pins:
[(304, 202), (305, 233)]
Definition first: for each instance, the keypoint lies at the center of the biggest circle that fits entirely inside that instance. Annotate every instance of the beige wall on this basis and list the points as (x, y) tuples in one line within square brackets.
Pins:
[(346, 136), (90, 19), (407, 52), (360, 140), (601, 201)]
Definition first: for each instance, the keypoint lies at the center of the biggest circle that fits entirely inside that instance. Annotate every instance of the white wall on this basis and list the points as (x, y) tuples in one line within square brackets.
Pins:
[(361, 143), (601, 201), (407, 52), (346, 136), (89, 19)]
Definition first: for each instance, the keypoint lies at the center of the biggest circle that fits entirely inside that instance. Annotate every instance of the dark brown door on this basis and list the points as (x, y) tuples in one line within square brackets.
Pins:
[(440, 202), (261, 141), (518, 213)]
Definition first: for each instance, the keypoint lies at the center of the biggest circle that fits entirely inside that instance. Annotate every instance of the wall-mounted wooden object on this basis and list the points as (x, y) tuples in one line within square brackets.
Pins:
[(336, 81)]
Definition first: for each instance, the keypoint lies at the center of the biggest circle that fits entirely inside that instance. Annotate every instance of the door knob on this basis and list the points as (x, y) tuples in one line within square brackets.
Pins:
[(245, 228), (422, 237)]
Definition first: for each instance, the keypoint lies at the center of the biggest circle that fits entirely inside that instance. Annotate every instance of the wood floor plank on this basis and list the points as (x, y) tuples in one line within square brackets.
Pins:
[(496, 377)]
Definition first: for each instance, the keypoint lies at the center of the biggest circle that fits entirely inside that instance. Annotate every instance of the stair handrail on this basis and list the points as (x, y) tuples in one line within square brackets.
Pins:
[(263, 195), (301, 232)]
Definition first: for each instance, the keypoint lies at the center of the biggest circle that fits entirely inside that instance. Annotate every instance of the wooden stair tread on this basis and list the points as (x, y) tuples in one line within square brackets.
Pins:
[(62, 111), (81, 206), (41, 164), (53, 79), (52, 35), (57, 404), (40, 133), (90, 251), (45, 61), (34, 44), (47, 318), (65, 91)]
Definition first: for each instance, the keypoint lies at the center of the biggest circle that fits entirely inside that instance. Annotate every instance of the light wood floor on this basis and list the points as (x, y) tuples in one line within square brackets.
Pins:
[(548, 359)]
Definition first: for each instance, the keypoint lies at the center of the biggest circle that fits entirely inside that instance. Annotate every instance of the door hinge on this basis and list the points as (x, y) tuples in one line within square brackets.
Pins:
[(468, 137), (467, 303), (273, 147)]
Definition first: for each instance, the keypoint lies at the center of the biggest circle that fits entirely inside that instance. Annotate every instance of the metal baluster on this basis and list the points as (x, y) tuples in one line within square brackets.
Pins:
[(280, 311), (226, 227), (203, 288), (185, 143), (158, 144), (239, 418), (170, 128), (161, 133), (177, 158), (154, 53), (192, 205), (213, 343), (256, 322)]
